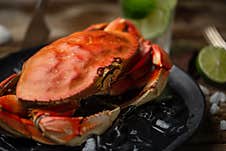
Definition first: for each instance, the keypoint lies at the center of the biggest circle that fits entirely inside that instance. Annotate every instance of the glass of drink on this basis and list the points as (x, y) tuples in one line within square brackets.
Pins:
[(153, 18)]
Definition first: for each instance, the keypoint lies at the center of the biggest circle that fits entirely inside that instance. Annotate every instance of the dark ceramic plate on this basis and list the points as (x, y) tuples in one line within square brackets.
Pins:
[(159, 126)]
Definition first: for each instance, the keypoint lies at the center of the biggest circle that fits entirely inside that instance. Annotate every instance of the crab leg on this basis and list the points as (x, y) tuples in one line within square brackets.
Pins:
[(4, 82), (48, 126), (158, 79), (11, 104), (14, 124), (74, 130), (153, 88), (21, 127), (12, 113), (9, 83), (11, 120)]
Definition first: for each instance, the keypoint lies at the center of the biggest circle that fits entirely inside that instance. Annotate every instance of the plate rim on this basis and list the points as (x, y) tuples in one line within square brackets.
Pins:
[(187, 136)]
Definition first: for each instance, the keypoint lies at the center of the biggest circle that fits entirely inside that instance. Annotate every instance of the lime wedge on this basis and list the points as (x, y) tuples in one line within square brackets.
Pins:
[(156, 21), (211, 62)]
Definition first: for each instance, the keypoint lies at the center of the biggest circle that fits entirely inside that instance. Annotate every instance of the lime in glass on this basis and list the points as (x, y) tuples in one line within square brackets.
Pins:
[(152, 17)]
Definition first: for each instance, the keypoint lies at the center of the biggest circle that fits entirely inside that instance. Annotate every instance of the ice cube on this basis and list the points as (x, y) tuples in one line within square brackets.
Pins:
[(133, 132), (214, 108), (90, 145), (217, 97), (223, 125), (162, 124)]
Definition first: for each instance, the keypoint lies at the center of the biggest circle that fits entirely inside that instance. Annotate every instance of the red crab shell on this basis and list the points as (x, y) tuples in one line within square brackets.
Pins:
[(68, 67)]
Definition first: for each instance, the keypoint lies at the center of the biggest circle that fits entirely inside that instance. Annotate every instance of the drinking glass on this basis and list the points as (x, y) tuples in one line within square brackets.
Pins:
[(157, 24)]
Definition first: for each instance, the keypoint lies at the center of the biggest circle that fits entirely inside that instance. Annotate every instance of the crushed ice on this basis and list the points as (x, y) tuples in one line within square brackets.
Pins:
[(162, 124), (217, 97), (223, 124), (90, 145), (214, 108), (215, 100)]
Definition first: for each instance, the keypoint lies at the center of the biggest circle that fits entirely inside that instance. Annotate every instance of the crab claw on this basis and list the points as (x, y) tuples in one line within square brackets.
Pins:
[(153, 88), (156, 80), (21, 127), (160, 57), (13, 124), (158, 77), (75, 130)]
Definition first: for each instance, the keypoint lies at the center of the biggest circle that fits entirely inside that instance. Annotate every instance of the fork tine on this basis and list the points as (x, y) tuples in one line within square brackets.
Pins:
[(211, 36), (214, 37), (218, 36)]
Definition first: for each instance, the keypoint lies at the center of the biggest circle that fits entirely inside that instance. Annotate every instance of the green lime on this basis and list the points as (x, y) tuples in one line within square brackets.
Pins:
[(136, 9), (155, 20), (211, 62)]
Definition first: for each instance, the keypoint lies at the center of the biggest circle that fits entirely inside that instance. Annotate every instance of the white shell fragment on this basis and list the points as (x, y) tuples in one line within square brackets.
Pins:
[(217, 97), (223, 125), (204, 89), (5, 35), (214, 108)]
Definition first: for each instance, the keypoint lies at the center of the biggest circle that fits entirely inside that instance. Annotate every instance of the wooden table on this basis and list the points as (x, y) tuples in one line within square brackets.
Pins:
[(64, 17)]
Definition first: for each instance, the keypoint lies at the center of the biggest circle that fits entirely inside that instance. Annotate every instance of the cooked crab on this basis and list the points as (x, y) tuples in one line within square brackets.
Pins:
[(108, 58)]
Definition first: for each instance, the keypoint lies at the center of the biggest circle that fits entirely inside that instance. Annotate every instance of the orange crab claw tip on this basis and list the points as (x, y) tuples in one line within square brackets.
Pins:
[(160, 57), (75, 131)]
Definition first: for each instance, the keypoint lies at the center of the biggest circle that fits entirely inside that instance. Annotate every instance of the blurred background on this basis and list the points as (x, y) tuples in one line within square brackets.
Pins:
[(66, 16)]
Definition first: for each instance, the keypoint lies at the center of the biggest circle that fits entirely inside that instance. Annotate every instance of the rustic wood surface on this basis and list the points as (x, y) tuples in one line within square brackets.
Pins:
[(192, 16)]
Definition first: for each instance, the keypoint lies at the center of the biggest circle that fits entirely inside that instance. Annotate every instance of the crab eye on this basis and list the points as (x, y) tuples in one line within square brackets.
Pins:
[(100, 71)]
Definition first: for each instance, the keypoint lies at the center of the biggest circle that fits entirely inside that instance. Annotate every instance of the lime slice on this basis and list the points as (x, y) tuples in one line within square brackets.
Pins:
[(156, 21), (211, 62)]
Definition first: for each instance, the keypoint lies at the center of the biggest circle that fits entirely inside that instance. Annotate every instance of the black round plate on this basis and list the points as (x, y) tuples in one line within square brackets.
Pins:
[(159, 125)]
